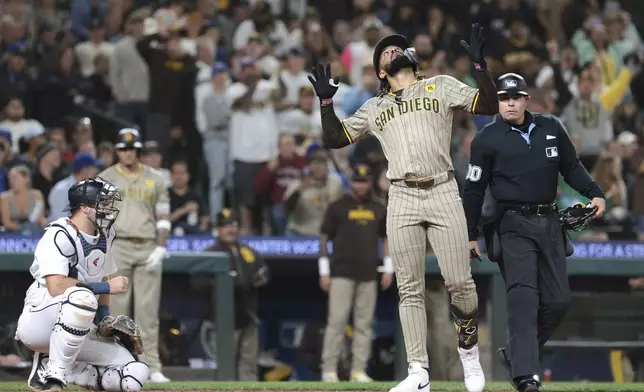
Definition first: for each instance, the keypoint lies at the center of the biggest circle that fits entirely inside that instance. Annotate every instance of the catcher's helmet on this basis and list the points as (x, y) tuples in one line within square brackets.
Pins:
[(226, 217), (128, 138), (99, 194), (511, 83), (392, 40)]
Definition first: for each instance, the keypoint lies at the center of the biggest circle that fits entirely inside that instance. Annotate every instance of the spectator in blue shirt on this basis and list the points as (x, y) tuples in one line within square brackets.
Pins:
[(84, 166), (356, 96), (82, 13)]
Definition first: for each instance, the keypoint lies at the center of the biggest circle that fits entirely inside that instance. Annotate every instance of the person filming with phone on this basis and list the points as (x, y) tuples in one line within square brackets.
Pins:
[(306, 199)]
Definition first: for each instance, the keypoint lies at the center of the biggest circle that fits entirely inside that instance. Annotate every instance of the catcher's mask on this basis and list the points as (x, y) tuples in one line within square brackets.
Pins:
[(576, 217), (99, 194)]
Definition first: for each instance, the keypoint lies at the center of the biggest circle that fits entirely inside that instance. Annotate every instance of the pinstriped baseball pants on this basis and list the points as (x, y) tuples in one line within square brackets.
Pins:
[(415, 216)]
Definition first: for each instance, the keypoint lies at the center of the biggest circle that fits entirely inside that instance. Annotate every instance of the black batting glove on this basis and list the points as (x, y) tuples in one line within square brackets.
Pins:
[(475, 47), (325, 86)]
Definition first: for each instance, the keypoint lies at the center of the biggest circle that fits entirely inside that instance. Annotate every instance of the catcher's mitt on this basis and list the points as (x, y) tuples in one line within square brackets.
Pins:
[(576, 217), (124, 329)]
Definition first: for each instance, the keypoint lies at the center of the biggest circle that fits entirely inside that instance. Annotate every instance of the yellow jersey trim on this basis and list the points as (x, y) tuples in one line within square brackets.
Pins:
[(124, 173), (346, 133), (476, 100)]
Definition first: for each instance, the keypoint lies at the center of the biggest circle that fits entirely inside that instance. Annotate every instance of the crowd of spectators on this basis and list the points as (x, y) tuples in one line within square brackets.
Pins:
[(219, 90)]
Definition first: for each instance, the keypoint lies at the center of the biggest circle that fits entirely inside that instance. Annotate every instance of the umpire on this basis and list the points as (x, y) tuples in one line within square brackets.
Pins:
[(250, 273), (520, 155)]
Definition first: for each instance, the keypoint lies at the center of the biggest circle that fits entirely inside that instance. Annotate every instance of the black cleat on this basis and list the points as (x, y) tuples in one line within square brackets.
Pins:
[(53, 385), (36, 378), (528, 385), (505, 362)]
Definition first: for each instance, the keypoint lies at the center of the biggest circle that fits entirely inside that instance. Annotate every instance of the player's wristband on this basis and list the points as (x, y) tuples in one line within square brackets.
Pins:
[(99, 287), (387, 265), (480, 65), (164, 224), (323, 266), (326, 101)]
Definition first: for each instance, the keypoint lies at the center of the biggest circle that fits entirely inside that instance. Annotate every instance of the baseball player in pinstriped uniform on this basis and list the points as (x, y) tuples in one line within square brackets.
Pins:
[(143, 228), (412, 118)]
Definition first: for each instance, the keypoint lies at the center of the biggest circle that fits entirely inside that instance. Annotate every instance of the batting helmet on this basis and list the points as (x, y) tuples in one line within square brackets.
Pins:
[(511, 83), (128, 138), (392, 40)]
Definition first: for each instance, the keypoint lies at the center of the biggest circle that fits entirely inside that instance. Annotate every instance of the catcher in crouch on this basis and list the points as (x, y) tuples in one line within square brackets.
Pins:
[(70, 294)]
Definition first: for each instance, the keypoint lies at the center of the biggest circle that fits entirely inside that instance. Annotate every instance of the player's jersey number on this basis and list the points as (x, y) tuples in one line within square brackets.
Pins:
[(473, 173)]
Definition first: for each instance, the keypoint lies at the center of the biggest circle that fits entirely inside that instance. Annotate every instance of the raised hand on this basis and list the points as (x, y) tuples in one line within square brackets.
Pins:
[(325, 86), (475, 47)]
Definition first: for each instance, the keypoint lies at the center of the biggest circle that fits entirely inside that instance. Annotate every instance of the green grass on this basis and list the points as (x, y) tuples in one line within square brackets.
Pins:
[(376, 386)]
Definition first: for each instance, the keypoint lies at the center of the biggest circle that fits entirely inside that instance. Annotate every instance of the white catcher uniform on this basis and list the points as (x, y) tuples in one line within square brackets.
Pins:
[(63, 325)]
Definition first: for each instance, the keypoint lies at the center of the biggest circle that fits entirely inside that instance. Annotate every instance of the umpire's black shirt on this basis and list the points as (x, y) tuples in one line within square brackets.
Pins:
[(355, 227), (521, 164)]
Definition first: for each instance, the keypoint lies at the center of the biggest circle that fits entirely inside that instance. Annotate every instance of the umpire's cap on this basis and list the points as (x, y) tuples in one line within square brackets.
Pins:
[(392, 40), (511, 83), (128, 138), (226, 217)]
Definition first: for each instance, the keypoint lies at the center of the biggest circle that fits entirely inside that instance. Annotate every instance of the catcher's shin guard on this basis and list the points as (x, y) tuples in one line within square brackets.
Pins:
[(74, 322), (121, 378), (127, 378), (84, 375)]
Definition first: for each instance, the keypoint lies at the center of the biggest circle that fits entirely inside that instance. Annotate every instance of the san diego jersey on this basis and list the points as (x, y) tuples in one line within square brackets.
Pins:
[(65, 250)]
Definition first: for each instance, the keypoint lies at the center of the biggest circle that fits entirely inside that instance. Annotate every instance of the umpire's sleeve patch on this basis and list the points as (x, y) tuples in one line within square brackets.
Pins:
[(473, 173)]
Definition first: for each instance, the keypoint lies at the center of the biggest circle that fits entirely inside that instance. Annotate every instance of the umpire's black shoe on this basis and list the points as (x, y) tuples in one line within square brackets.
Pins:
[(528, 385), (502, 354), (53, 385), (36, 378)]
